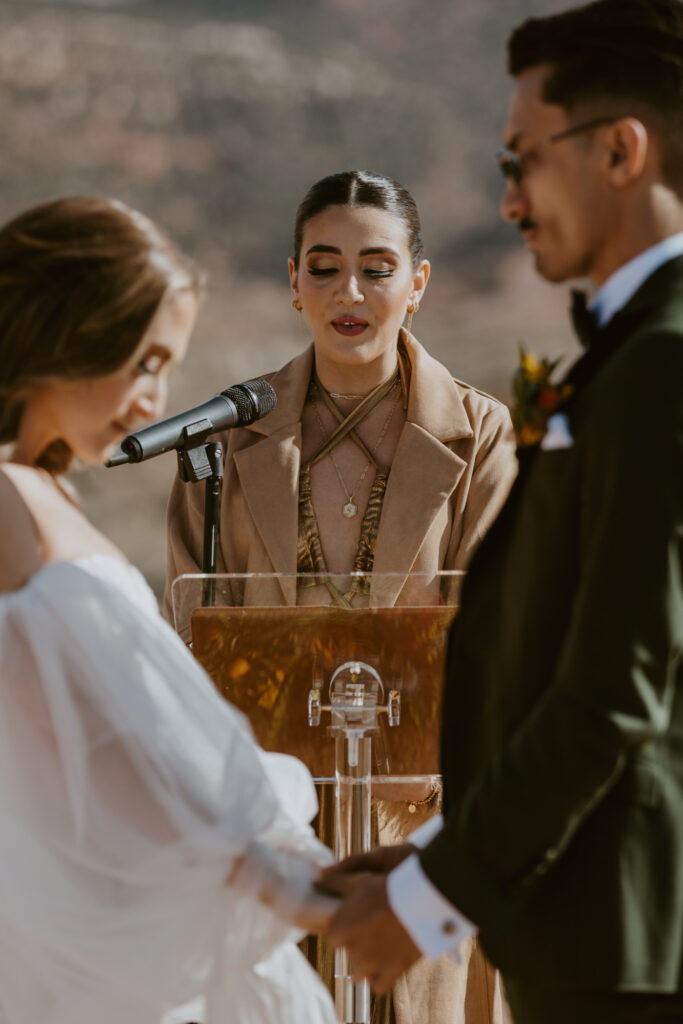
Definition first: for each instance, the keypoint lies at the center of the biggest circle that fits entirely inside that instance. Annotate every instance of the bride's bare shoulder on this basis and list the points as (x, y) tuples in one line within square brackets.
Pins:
[(21, 553)]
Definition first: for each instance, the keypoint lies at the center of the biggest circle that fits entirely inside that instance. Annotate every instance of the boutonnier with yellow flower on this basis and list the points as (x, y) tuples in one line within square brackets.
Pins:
[(536, 398)]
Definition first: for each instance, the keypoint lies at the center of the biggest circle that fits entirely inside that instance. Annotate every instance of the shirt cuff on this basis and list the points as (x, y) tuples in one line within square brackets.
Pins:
[(434, 925), (423, 835)]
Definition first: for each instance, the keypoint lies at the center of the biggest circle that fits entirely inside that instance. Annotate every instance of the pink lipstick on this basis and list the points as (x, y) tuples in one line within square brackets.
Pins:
[(349, 326)]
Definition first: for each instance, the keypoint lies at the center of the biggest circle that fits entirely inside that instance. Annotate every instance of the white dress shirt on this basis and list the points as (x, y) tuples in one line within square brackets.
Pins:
[(432, 922), (625, 282), (430, 919)]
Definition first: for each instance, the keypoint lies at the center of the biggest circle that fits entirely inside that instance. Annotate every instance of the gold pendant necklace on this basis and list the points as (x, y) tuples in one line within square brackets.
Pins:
[(350, 508)]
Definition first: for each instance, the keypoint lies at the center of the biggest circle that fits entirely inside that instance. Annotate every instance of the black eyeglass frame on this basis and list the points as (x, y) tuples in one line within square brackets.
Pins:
[(510, 163)]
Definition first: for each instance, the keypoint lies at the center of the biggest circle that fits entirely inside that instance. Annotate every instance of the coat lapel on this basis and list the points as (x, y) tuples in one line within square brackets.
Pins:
[(424, 472), (269, 474), (423, 476), (269, 469)]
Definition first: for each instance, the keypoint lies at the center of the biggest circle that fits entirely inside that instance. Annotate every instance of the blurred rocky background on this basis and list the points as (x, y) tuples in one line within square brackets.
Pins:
[(214, 116)]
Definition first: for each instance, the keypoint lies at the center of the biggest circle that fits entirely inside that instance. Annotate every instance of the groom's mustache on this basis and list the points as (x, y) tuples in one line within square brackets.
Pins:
[(526, 224)]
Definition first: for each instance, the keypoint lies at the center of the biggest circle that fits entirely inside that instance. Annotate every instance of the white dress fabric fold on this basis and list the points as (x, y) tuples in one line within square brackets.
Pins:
[(128, 791)]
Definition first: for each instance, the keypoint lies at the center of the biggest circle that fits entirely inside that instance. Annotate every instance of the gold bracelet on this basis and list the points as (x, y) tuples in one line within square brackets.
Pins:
[(414, 804)]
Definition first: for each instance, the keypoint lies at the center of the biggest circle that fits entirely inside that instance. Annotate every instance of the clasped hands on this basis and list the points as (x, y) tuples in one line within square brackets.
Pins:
[(347, 903), (379, 947)]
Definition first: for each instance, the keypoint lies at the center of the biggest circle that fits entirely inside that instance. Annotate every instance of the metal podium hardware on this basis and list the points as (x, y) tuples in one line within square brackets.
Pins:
[(355, 694)]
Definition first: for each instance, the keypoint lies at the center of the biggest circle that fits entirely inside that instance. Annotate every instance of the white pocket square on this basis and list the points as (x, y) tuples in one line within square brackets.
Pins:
[(558, 434)]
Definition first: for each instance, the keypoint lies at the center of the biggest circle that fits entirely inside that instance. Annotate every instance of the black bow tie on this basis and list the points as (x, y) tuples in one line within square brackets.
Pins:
[(584, 320)]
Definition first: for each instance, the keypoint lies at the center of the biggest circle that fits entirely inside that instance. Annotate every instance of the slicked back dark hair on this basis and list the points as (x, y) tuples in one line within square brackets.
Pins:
[(361, 188), (624, 57)]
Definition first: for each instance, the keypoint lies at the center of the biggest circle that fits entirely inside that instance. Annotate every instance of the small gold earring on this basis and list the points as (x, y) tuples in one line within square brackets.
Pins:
[(300, 310), (412, 308)]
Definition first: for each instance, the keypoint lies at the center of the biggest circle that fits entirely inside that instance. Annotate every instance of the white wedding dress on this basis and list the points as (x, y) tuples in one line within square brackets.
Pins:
[(128, 790)]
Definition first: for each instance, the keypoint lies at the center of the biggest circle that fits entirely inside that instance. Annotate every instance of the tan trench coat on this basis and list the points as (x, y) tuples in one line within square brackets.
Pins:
[(451, 473)]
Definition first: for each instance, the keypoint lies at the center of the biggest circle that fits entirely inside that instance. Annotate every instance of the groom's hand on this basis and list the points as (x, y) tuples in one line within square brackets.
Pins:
[(379, 947), (381, 860)]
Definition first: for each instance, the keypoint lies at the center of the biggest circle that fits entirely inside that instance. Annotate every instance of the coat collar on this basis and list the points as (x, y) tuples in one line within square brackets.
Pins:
[(291, 387), (434, 402)]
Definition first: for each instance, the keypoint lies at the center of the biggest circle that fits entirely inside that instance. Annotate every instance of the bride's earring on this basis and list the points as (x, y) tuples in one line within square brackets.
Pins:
[(412, 308), (300, 310)]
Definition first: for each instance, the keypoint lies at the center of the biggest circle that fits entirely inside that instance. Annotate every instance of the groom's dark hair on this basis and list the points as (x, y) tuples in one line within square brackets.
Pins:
[(617, 58)]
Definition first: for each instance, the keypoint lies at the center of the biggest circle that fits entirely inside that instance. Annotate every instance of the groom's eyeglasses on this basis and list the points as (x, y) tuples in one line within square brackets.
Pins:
[(511, 164)]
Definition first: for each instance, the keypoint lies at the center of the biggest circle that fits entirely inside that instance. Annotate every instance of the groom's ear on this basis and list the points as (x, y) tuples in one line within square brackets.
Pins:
[(628, 146)]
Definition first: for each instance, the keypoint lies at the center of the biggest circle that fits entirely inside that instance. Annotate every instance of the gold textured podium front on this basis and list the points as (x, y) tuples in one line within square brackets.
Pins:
[(265, 660)]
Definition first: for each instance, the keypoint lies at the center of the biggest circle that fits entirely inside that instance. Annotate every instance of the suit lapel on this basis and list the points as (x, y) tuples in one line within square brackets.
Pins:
[(644, 305), (666, 282), (493, 546)]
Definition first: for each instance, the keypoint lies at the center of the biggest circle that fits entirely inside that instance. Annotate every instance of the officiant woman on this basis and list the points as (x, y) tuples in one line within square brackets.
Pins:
[(375, 459)]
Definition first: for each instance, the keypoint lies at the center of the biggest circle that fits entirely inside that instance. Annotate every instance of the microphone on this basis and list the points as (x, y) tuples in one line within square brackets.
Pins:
[(236, 407)]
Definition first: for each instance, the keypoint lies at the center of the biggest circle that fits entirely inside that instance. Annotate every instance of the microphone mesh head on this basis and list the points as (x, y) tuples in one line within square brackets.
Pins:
[(244, 404), (253, 399), (263, 395)]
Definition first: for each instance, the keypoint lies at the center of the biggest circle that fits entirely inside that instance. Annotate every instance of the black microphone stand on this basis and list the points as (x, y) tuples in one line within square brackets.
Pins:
[(199, 459)]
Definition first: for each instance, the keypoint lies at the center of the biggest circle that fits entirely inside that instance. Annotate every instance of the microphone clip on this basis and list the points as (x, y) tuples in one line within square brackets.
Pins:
[(202, 461), (197, 458)]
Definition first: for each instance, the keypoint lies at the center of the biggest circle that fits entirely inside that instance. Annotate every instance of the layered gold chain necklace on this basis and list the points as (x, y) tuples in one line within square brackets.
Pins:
[(350, 508)]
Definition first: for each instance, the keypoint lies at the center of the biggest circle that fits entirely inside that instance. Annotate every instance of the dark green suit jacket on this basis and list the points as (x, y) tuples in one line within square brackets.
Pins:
[(562, 745)]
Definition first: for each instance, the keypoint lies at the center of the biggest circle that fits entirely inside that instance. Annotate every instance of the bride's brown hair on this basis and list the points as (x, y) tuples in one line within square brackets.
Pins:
[(80, 281)]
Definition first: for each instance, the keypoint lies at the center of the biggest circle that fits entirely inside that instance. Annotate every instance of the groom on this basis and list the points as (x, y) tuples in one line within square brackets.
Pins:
[(562, 744)]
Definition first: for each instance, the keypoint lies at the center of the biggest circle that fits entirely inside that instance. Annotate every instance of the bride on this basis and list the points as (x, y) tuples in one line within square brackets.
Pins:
[(151, 852)]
